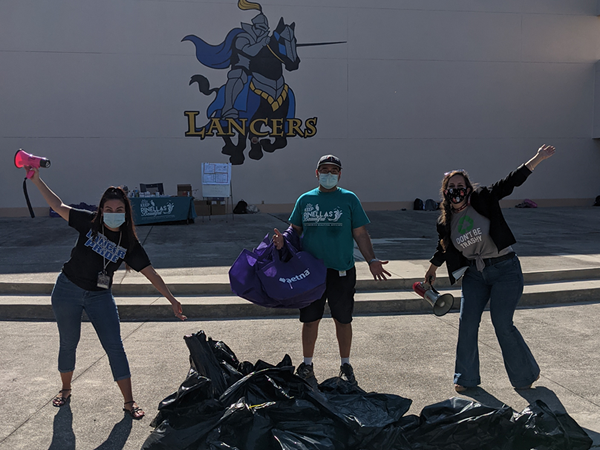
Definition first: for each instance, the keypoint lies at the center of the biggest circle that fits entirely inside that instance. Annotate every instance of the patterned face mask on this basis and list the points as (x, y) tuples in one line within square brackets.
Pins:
[(456, 195)]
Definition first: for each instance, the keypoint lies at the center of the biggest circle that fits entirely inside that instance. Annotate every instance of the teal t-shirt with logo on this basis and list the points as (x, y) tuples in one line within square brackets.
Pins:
[(327, 220)]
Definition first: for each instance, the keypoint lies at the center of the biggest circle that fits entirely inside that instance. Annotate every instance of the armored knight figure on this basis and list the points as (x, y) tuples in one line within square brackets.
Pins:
[(246, 46)]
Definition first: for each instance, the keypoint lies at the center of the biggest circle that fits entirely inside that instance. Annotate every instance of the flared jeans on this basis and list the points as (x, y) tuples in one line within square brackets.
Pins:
[(502, 285)]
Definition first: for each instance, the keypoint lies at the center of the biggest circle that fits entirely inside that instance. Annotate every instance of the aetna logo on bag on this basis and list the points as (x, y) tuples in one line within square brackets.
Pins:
[(298, 277)]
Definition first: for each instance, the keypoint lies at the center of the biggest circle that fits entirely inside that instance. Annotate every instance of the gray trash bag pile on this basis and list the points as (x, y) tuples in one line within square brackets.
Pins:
[(227, 404)]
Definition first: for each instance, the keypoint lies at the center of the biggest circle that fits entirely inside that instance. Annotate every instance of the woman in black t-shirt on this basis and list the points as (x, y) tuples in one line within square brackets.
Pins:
[(106, 238)]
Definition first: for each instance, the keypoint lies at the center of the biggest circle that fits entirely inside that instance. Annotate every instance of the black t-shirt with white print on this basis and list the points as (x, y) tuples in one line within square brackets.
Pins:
[(90, 255)]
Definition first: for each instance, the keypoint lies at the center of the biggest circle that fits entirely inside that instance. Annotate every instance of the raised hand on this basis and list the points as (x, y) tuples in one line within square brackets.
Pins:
[(545, 151), (35, 170)]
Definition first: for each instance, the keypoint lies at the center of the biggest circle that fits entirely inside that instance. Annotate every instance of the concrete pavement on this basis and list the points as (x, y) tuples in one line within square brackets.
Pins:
[(410, 355), (559, 250)]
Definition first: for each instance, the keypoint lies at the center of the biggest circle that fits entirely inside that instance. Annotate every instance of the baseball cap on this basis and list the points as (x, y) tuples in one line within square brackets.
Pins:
[(329, 159)]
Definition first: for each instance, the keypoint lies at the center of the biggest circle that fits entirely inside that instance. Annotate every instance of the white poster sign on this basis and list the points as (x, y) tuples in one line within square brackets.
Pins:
[(216, 180)]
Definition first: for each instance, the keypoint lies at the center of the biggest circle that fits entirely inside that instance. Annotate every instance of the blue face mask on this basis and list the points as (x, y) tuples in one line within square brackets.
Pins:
[(328, 180), (114, 220)]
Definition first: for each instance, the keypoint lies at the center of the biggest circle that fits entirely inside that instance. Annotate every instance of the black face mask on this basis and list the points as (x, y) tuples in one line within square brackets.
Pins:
[(456, 195)]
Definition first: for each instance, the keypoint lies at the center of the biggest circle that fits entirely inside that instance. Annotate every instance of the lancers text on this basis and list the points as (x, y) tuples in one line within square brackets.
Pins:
[(228, 127)]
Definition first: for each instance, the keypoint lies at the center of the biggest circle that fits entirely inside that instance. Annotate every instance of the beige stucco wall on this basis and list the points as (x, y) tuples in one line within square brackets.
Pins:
[(417, 89)]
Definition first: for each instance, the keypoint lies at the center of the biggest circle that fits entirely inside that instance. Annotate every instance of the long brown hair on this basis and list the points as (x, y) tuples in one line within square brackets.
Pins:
[(446, 206), (115, 193)]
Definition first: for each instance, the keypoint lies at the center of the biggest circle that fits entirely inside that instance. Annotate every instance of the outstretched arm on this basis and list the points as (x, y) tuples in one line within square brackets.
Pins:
[(544, 152), (361, 236), (161, 287), (51, 198), (505, 186)]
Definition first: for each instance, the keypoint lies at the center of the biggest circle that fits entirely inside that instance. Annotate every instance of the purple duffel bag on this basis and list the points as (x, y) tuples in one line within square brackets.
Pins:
[(244, 280), (263, 278), (295, 283)]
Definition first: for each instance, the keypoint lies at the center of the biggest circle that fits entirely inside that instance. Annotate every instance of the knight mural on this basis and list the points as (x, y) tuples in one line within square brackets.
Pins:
[(255, 104), (246, 46)]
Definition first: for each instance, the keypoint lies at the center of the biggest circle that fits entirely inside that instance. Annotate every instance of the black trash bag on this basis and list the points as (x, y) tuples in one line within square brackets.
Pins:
[(366, 413), (194, 389), (271, 399), (393, 437), (230, 366), (257, 432), (203, 432), (240, 207), (262, 386), (192, 393), (285, 362), (232, 429), (185, 429), (246, 367), (287, 397), (540, 428), (308, 427), (246, 412), (288, 440), (460, 424), (225, 404), (267, 409), (431, 205), (203, 361)]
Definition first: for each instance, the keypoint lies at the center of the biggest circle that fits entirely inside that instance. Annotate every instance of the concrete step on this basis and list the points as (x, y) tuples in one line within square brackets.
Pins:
[(218, 284), (132, 308)]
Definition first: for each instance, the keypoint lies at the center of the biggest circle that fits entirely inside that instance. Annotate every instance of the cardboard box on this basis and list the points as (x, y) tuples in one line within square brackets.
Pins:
[(218, 210), (184, 190), (202, 207)]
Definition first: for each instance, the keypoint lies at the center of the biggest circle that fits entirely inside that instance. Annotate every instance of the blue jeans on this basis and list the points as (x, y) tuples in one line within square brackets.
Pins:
[(502, 285), (68, 303)]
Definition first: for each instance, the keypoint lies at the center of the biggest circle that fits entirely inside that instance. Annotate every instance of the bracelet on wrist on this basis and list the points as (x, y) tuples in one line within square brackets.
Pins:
[(372, 261)]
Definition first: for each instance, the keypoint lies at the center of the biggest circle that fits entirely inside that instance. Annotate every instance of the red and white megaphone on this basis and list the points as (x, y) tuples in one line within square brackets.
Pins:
[(23, 159), (441, 303)]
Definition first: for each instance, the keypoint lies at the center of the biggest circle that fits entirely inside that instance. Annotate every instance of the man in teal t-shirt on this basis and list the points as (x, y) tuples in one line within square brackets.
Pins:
[(330, 219)]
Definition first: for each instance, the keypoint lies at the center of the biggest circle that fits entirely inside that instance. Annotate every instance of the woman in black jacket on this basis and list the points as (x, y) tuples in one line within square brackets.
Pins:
[(475, 240)]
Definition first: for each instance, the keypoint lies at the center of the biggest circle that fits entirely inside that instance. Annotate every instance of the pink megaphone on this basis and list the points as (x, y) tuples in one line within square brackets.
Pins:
[(23, 159)]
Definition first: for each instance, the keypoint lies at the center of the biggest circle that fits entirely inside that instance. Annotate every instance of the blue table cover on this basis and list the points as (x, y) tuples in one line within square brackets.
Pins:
[(148, 210)]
